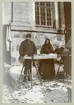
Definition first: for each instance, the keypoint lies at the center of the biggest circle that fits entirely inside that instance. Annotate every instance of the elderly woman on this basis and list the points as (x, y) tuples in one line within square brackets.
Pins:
[(46, 66)]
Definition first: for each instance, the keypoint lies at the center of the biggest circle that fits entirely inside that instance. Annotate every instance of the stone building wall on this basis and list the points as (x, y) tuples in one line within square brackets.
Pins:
[(24, 19)]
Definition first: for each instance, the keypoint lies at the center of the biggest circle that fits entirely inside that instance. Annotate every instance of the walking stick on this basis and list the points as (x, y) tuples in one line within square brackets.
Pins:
[(21, 72), (37, 70), (31, 75)]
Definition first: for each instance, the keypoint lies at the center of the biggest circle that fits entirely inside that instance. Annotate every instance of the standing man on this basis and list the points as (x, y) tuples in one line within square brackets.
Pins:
[(28, 48)]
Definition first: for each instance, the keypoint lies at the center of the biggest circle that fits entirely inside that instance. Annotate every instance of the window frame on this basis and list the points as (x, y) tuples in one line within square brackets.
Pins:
[(52, 7)]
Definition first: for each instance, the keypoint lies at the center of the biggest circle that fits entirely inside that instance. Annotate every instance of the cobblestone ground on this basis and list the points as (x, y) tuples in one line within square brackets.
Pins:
[(15, 91)]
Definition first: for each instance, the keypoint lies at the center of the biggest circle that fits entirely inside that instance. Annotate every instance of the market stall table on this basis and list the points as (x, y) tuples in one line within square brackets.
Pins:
[(38, 57)]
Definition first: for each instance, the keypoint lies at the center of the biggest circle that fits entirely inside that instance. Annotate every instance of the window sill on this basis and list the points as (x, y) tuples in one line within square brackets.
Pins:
[(44, 26)]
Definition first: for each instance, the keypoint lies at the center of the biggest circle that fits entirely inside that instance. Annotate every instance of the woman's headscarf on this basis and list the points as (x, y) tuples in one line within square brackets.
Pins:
[(46, 40)]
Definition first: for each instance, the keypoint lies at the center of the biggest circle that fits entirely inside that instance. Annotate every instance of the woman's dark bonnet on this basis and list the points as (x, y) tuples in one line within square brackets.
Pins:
[(48, 41)]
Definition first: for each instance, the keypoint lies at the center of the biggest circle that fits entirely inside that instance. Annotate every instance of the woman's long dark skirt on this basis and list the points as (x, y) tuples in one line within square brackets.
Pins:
[(46, 69)]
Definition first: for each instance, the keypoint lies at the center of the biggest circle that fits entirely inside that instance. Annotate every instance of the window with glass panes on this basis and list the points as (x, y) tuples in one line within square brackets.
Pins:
[(44, 13)]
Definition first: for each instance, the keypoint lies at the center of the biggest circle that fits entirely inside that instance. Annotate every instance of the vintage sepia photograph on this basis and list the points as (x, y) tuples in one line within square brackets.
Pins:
[(37, 52)]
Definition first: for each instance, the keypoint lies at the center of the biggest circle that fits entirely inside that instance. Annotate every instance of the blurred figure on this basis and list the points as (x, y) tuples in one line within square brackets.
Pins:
[(65, 60), (46, 66)]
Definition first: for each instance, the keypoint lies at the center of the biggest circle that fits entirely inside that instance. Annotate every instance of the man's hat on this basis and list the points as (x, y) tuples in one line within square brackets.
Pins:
[(28, 36)]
